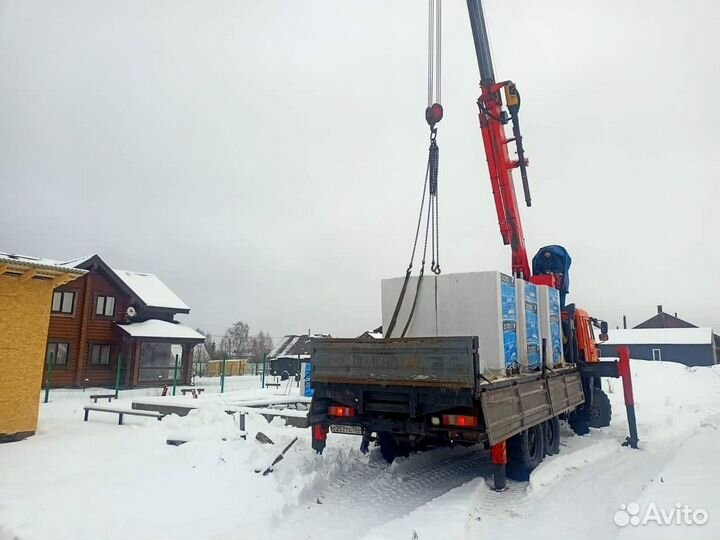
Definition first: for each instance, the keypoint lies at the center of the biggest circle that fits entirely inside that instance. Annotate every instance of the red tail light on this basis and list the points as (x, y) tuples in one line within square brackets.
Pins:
[(337, 410), (460, 420)]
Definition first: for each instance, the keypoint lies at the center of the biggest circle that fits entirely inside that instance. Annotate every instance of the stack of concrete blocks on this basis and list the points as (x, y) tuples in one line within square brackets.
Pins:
[(528, 325), (482, 304), (550, 328), (306, 388)]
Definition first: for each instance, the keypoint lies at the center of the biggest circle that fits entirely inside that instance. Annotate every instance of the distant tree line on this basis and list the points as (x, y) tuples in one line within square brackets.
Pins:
[(236, 343)]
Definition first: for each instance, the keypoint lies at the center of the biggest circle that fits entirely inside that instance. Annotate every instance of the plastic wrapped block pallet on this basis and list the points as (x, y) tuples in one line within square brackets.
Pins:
[(528, 325), (550, 329), (479, 304)]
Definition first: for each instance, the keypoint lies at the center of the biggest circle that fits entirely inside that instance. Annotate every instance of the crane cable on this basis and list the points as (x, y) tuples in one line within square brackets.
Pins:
[(433, 114)]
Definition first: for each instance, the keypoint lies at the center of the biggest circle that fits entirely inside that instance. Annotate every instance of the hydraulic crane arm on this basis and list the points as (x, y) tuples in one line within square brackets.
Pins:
[(492, 124)]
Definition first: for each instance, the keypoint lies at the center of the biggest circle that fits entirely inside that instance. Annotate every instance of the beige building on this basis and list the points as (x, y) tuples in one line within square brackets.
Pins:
[(26, 286), (233, 366)]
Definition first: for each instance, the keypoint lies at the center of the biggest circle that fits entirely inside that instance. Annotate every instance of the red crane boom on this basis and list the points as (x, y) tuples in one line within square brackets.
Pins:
[(500, 165)]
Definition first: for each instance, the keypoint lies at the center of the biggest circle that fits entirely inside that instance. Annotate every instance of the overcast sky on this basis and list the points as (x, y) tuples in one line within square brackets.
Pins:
[(266, 158)]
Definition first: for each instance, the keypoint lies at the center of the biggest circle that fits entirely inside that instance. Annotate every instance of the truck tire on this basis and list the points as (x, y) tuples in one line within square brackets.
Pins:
[(390, 448), (600, 411), (526, 451), (551, 428), (578, 422)]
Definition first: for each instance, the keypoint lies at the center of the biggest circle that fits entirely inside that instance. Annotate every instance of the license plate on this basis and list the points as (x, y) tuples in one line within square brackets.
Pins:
[(348, 430)]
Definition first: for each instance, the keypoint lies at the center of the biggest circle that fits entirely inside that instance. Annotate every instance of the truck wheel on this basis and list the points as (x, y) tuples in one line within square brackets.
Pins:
[(390, 448), (551, 429), (600, 411), (578, 422), (525, 452)]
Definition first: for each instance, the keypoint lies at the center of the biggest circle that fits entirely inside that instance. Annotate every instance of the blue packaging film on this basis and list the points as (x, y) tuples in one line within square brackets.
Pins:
[(309, 390), (509, 320), (532, 326), (555, 329)]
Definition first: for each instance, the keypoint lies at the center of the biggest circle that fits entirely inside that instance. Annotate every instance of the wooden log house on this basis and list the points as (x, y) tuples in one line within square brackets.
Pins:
[(109, 314)]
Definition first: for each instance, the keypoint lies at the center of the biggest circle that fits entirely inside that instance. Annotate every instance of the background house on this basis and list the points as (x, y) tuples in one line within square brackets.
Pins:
[(293, 349), (665, 320), (26, 289), (110, 319), (666, 337), (377, 333)]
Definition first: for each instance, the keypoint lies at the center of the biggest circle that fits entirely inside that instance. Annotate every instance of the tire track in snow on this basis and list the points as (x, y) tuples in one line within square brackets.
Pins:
[(374, 493), (594, 489)]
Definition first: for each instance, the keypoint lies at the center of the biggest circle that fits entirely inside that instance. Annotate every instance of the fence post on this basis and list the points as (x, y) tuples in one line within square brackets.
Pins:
[(48, 377), (177, 357), (117, 376), (262, 373), (222, 374)]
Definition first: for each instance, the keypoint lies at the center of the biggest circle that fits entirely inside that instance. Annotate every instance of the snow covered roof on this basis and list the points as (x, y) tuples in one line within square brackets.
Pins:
[(74, 263), (154, 328), (371, 334), (147, 287), (660, 336), (294, 345), (152, 291), (285, 344), (26, 261)]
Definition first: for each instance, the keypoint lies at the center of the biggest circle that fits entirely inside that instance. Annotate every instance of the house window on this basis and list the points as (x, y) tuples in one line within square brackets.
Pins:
[(63, 302), (657, 355), (105, 305), (100, 355), (58, 353)]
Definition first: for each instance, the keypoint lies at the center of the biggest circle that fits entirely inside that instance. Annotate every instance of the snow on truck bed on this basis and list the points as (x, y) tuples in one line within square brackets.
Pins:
[(96, 480)]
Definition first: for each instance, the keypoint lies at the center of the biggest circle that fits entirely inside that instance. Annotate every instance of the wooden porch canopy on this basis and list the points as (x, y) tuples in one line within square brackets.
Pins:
[(155, 337), (157, 330)]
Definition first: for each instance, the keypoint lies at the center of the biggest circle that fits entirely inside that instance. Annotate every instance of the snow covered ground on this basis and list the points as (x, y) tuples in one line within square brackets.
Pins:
[(97, 480)]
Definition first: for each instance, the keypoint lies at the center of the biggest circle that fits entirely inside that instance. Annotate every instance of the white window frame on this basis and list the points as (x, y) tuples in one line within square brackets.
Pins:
[(54, 348), (60, 301), (102, 359), (659, 355), (105, 305)]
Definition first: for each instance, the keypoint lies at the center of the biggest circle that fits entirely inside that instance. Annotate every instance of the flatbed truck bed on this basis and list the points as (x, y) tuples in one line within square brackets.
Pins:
[(415, 392)]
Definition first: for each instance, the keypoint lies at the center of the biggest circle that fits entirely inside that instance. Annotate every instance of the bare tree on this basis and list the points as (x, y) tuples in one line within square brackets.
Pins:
[(210, 345), (236, 339), (260, 344)]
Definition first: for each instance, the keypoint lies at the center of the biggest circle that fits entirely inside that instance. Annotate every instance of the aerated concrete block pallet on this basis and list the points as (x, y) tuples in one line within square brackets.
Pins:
[(482, 304)]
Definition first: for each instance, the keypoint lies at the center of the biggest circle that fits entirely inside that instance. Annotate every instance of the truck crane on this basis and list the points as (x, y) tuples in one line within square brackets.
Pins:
[(410, 393), (551, 264)]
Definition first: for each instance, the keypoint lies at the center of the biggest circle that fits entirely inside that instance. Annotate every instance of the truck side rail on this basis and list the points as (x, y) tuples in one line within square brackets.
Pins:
[(450, 362), (510, 409)]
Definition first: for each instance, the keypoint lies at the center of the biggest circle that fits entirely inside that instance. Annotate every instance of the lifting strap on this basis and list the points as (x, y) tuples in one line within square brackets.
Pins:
[(433, 114)]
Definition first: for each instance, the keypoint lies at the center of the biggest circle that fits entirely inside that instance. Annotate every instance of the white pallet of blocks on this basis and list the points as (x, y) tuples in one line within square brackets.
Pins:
[(550, 329), (528, 326), (479, 304)]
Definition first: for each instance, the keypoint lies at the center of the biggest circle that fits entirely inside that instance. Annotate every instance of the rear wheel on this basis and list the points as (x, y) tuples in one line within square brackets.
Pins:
[(578, 421), (390, 448), (551, 429), (525, 452), (600, 411)]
